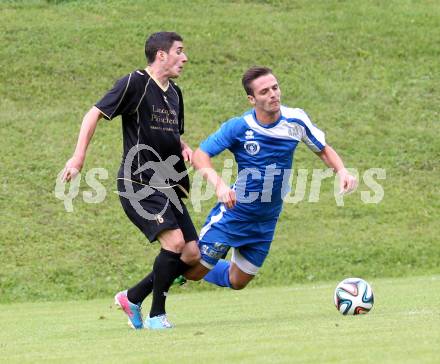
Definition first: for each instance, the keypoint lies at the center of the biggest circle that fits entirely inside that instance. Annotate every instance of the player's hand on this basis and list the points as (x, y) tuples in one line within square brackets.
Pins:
[(347, 182), (226, 195), (187, 153), (71, 169)]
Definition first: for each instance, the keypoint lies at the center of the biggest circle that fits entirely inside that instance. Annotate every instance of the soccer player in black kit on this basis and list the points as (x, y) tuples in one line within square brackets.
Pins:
[(153, 177)]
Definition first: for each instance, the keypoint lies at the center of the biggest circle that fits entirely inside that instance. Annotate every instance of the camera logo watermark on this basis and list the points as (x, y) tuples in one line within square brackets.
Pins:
[(161, 174)]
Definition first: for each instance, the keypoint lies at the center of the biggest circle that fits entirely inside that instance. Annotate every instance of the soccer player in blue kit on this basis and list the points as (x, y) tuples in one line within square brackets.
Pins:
[(263, 141)]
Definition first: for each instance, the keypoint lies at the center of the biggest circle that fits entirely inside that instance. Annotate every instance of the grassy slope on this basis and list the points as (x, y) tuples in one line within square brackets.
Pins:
[(364, 71), (296, 324)]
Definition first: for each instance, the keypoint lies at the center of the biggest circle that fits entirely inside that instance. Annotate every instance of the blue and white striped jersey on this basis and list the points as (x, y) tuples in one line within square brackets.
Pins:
[(264, 154)]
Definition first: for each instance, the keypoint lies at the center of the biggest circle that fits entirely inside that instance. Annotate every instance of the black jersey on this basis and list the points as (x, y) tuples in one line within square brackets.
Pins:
[(152, 122)]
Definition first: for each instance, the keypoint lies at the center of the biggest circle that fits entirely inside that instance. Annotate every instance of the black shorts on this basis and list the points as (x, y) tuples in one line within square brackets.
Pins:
[(156, 212)]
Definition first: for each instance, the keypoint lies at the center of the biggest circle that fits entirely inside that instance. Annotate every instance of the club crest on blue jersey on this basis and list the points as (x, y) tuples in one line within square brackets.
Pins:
[(252, 147)]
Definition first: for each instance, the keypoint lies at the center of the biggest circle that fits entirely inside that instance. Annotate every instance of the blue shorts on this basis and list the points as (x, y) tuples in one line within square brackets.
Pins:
[(251, 240)]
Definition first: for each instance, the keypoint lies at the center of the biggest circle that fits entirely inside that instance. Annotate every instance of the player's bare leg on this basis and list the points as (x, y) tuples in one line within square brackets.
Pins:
[(191, 253), (190, 256), (172, 240), (238, 278), (197, 272), (224, 274)]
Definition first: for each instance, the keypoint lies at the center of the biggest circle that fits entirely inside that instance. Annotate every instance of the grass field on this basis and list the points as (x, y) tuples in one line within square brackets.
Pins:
[(367, 74), (365, 71), (294, 324)]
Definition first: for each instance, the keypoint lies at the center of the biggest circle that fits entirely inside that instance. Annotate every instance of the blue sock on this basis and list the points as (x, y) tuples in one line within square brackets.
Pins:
[(219, 275)]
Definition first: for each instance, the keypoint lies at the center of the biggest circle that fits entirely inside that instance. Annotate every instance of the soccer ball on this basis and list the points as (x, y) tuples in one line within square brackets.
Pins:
[(353, 296)]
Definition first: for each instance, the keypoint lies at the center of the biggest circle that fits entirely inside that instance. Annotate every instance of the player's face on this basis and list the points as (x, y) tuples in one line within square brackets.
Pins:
[(267, 94), (174, 60)]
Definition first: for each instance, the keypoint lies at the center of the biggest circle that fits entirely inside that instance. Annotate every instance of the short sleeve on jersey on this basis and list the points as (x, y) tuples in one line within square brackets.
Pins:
[(119, 100), (313, 137), (222, 139)]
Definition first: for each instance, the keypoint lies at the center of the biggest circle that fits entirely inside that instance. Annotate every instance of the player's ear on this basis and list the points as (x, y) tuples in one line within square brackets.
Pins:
[(251, 99), (161, 55)]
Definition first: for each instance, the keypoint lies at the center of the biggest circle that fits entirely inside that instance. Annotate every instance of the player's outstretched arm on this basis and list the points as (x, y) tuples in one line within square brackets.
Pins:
[(202, 163), (88, 126), (347, 182)]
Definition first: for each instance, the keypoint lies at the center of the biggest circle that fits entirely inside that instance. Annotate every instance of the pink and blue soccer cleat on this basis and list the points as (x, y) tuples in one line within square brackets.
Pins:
[(158, 323), (132, 310)]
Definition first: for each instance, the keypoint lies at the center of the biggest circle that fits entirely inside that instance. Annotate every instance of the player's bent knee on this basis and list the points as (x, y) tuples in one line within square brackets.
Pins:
[(191, 253), (172, 240), (238, 277), (237, 284), (193, 258), (175, 246)]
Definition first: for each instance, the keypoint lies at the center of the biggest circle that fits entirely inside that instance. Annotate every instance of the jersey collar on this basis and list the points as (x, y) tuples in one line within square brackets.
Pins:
[(266, 126), (163, 88)]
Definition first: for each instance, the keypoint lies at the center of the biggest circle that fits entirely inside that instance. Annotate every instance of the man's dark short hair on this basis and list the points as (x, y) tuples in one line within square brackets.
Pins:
[(252, 74), (161, 41)]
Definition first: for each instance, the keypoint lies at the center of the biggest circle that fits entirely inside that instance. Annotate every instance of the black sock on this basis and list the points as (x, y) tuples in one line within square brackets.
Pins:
[(183, 267), (140, 291), (166, 268)]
